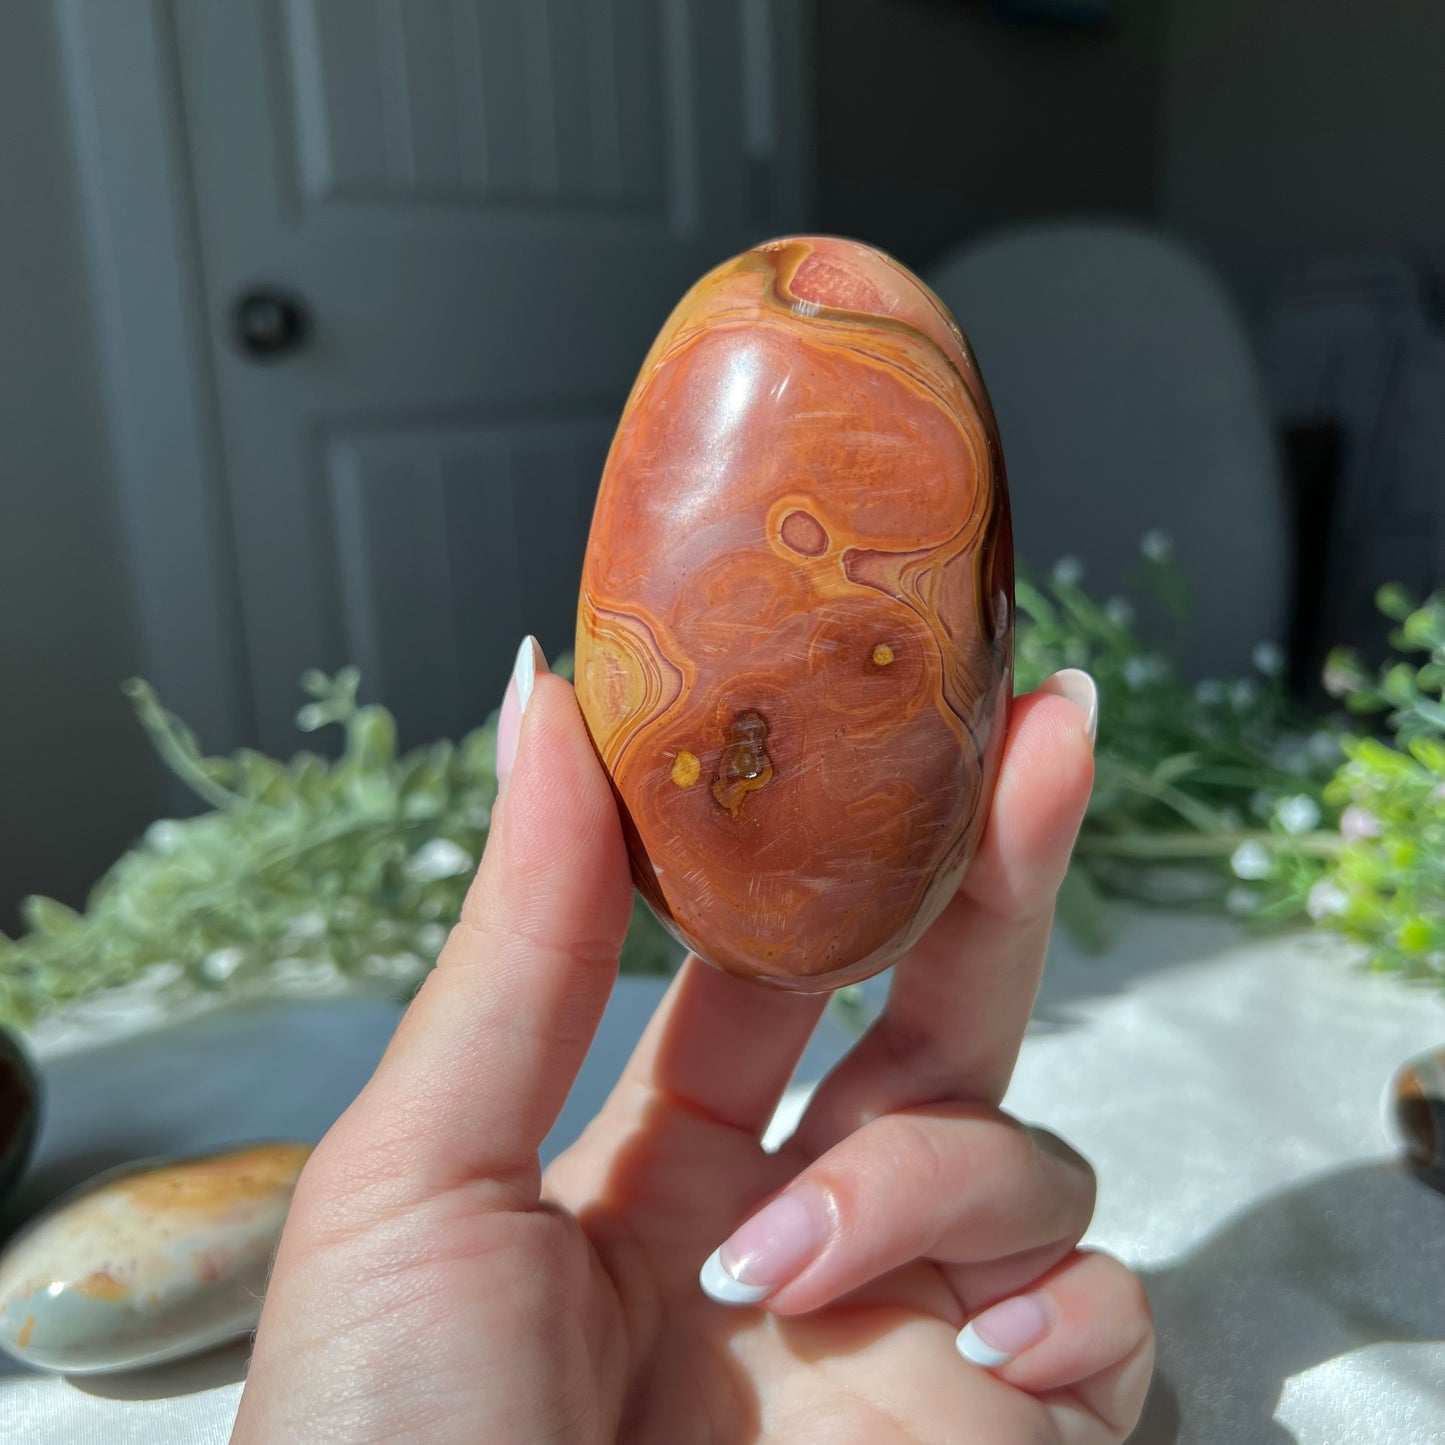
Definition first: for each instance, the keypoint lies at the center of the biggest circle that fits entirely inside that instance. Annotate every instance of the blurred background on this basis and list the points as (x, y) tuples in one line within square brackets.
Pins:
[(316, 317)]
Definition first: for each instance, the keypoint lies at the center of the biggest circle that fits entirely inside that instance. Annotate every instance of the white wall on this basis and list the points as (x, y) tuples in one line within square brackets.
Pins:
[(1294, 128), (75, 777)]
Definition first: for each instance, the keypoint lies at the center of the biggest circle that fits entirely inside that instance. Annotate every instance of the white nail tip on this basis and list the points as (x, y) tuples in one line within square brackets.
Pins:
[(1081, 690), (718, 1284), (525, 672), (972, 1348)]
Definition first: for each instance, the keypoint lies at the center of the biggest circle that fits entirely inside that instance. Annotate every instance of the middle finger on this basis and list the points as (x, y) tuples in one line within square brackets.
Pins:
[(960, 1000)]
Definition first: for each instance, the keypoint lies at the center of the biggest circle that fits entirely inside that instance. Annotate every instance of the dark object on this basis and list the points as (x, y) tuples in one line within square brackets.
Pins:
[(19, 1112), (1417, 1109), (270, 324), (1312, 453), (1087, 17)]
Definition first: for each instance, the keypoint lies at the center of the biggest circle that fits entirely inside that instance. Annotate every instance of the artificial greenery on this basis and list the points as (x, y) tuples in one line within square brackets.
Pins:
[(1193, 780), (312, 873), (304, 875), (1380, 878)]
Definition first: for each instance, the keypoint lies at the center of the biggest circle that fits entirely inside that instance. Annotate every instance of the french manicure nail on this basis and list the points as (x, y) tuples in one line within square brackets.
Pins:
[(1081, 690), (519, 693), (769, 1249), (524, 670), (1003, 1331)]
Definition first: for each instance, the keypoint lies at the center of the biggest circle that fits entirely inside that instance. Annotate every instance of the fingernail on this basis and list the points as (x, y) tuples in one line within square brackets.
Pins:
[(769, 1249), (1081, 690), (1003, 1331), (519, 692)]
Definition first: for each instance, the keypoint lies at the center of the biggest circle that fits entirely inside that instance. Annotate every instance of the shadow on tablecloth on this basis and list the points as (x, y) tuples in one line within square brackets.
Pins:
[(1340, 1262)]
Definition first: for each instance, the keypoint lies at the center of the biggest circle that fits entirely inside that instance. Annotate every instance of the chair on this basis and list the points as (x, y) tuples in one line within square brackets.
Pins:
[(1129, 401)]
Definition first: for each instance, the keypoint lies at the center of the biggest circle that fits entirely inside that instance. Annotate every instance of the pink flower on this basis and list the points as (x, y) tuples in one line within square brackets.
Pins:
[(1356, 823)]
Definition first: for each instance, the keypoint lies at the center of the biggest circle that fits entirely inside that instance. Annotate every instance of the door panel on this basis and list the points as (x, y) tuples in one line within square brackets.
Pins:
[(538, 103), (450, 545), (488, 208)]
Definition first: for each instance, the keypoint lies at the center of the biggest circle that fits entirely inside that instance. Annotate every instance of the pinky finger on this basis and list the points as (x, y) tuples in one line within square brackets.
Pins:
[(1081, 1340)]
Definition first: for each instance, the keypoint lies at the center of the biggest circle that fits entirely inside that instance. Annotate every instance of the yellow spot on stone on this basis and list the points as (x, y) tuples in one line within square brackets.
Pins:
[(882, 655), (213, 1185), (686, 770), (26, 1330), (102, 1286)]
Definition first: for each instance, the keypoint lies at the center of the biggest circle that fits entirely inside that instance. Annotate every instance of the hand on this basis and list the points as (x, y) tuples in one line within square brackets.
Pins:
[(434, 1286)]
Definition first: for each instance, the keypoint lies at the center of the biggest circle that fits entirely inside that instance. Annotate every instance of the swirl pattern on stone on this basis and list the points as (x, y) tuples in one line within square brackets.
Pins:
[(794, 639)]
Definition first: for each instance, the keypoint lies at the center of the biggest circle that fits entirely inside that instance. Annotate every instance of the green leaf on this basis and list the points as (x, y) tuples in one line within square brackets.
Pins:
[(371, 738), (1421, 629), (1394, 601), (1080, 909), (263, 779), (1170, 770), (48, 917)]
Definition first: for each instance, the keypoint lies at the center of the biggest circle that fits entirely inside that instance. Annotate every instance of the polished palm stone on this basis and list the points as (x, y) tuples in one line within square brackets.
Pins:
[(19, 1112), (1417, 1102), (794, 637), (148, 1263)]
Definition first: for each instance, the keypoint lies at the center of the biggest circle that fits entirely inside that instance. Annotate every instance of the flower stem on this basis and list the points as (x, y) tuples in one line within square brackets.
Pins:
[(1202, 845)]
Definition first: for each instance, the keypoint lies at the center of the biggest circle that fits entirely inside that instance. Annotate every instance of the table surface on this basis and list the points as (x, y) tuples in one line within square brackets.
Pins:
[(1227, 1090)]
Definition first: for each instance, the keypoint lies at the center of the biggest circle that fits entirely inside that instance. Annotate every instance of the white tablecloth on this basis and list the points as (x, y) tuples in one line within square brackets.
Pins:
[(1228, 1092)]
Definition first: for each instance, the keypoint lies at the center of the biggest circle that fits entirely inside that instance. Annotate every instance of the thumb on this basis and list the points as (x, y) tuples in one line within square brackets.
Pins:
[(480, 1066)]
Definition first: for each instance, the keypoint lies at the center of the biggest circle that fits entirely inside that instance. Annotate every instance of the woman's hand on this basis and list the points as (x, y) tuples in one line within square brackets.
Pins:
[(434, 1286)]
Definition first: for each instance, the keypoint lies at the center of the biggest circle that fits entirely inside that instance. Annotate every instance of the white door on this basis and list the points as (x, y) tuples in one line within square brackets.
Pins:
[(473, 214)]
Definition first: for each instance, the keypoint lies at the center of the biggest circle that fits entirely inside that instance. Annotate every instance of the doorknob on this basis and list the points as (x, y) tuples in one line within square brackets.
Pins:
[(269, 323)]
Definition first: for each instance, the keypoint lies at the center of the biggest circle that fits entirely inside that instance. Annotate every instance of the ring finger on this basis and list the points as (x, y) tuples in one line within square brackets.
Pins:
[(960, 1184)]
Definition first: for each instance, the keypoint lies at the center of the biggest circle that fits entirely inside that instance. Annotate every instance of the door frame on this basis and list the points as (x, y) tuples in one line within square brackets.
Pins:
[(121, 73), (122, 83)]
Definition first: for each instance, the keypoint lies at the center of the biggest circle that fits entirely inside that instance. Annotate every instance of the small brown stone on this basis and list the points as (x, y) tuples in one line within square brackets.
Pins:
[(1417, 1096)]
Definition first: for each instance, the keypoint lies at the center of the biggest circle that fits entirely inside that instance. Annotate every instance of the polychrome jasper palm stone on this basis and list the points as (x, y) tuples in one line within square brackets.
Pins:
[(794, 640)]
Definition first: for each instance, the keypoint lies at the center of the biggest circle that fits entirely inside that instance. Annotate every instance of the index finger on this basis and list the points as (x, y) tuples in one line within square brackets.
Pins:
[(482, 1061), (961, 998)]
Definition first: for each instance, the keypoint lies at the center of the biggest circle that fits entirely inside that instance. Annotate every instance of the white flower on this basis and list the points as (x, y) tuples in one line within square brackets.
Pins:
[(1242, 900), (1209, 691), (439, 858), (1337, 681), (1290, 755), (304, 926), (1251, 861), (1140, 671), (1242, 692), (166, 836), (394, 967), (157, 977), (1357, 823), (1119, 611), (430, 937), (1068, 572), (221, 963), (1325, 899), (305, 975), (1297, 814), (1268, 659), (1157, 545)]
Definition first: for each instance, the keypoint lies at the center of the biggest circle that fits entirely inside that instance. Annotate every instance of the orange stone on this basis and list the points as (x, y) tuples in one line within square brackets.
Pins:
[(800, 580)]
